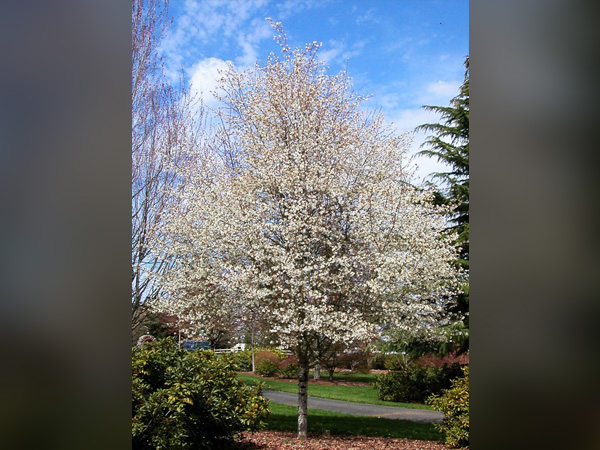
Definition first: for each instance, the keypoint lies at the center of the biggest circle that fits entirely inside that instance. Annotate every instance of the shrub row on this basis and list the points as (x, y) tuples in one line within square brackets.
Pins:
[(242, 360), (189, 400), (270, 364), (412, 382)]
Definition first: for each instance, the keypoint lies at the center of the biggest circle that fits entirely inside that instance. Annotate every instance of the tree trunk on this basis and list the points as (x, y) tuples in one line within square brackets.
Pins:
[(317, 374), (302, 398), (253, 367)]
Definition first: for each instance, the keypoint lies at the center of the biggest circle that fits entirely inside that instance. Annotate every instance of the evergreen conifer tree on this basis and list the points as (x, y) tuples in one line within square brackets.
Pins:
[(449, 143)]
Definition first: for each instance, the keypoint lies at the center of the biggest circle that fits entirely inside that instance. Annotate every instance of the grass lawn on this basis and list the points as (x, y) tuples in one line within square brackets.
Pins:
[(285, 418), (357, 394)]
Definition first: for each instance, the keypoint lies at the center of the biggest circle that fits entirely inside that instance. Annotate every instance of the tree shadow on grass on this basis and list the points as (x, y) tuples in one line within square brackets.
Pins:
[(284, 418)]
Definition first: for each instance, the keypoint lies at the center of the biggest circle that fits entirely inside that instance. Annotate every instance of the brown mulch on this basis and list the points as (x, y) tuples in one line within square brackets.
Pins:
[(278, 440)]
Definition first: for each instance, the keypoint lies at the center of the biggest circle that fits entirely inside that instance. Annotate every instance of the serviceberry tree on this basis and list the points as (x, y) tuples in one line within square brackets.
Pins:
[(304, 212)]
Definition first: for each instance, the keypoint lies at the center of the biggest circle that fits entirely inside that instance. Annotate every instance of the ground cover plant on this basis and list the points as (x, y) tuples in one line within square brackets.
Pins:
[(358, 394), (189, 399)]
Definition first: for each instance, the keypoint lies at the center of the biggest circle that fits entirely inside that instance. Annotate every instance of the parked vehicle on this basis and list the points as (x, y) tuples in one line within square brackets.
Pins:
[(196, 345)]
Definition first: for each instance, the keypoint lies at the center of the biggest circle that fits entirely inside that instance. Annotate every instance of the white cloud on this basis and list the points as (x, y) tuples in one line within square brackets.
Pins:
[(444, 88), (204, 79), (249, 55), (328, 56), (290, 7), (337, 52), (249, 42), (206, 22), (437, 93), (367, 17), (407, 120)]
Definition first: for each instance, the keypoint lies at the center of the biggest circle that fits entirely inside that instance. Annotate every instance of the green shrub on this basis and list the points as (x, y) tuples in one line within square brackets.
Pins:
[(403, 386), (288, 368), (378, 362), (355, 361), (266, 355), (279, 353), (454, 403), (411, 382), (189, 400), (267, 368), (396, 362), (242, 360)]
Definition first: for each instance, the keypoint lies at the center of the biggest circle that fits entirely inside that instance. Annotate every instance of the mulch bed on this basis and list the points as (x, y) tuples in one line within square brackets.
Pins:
[(277, 440)]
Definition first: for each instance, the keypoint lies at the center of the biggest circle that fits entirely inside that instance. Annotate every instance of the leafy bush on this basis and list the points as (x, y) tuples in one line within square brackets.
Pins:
[(267, 368), (242, 360), (396, 362), (189, 400), (267, 355), (288, 368), (355, 361), (281, 355), (411, 382), (454, 403), (378, 362)]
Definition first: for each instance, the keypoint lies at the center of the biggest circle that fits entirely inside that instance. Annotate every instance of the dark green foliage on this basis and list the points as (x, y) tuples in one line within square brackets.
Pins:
[(242, 360), (454, 403), (160, 325), (355, 361), (189, 400), (378, 361), (288, 368), (414, 383), (267, 368), (450, 144)]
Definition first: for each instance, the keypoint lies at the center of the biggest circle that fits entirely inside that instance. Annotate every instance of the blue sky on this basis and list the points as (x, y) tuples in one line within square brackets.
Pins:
[(405, 53)]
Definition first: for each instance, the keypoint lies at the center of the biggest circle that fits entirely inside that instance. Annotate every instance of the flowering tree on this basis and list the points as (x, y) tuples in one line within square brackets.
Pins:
[(305, 214)]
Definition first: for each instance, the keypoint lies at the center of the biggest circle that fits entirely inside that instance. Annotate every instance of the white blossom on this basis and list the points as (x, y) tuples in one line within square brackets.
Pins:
[(303, 211)]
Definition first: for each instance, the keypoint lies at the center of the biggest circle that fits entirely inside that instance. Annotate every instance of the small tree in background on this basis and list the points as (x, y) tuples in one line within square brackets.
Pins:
[(165, 123)]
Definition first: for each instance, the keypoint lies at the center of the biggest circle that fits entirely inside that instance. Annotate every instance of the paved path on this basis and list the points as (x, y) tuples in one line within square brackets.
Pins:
[(358, 409)]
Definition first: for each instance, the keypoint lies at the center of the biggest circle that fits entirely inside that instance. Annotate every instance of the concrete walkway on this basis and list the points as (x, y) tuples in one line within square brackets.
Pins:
[(357, 409)]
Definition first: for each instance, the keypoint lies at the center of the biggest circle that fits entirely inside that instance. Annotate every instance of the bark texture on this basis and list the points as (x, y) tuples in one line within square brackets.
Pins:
[(302, 398)]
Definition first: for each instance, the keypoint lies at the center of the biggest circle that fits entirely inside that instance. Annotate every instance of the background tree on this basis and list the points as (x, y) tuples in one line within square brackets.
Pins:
[(449, 143), (164, 123), (306, 215)]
